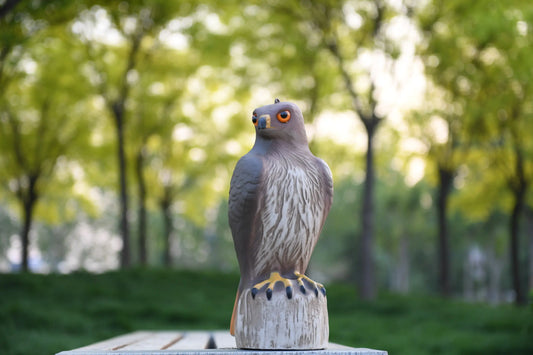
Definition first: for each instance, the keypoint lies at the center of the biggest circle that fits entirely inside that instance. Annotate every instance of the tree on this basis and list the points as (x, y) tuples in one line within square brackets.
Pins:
[(489, 56), (152, 116), (165, 73), (508, 134), (441, 129), (130, 23), (38, 127), (348, 42)]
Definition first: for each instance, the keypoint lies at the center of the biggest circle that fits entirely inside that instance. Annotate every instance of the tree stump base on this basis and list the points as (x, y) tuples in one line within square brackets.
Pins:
[(299, 323)]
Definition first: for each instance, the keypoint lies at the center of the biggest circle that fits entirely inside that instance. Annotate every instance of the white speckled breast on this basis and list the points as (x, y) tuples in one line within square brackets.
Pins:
[(291, 213)]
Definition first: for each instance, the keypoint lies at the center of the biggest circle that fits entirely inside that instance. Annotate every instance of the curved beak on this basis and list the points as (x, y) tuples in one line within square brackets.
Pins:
[(263, 122)]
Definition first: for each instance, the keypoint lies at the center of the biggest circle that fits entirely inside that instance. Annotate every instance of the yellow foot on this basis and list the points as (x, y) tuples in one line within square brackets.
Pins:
[(315, 285), (274, 278)]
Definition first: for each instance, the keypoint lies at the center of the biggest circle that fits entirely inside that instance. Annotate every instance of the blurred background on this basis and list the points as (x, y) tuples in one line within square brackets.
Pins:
[(121, 123)]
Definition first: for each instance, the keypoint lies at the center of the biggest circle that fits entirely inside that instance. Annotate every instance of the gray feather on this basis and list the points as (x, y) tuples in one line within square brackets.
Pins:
[(243, 200)]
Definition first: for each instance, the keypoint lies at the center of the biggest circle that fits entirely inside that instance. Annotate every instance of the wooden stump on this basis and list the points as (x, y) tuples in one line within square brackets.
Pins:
[(299, 323)]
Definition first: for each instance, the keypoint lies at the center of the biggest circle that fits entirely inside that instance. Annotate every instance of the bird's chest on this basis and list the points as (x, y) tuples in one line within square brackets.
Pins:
[(291, 212), (288, 186)]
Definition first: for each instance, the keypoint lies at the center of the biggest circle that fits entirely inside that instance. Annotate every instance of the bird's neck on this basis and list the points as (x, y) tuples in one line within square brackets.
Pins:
[(265, 145)]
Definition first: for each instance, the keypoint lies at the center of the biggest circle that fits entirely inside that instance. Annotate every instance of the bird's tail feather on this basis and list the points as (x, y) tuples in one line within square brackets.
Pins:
[(234, 314)]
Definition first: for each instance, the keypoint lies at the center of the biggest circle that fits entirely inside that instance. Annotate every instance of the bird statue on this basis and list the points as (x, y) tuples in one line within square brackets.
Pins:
[(279, 198)]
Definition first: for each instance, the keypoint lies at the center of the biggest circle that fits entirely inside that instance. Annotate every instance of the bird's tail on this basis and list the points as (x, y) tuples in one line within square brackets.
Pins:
[(234, 314)]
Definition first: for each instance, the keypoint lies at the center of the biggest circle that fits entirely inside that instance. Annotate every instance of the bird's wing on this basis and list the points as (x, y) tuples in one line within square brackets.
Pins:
[(327, 186), (244, 196)]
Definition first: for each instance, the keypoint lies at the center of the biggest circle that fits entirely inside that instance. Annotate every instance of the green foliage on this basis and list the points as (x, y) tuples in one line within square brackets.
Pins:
[(42, 118), (472, 52), (52, 313), (422, 325), (58, 317), (201, 68)]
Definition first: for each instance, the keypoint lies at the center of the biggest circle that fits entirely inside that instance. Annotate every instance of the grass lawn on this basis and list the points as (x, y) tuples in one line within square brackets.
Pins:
[(44, 314)]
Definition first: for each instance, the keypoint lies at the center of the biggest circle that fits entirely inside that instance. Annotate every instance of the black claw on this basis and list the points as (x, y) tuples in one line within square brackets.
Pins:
[(269, 293), (289, 292), (323, 289), (302, 289), (316, 292), (254, 292)]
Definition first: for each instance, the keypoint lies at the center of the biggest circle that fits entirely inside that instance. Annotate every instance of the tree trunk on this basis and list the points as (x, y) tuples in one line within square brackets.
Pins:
[(518, 208), (529, 233), (518, 187), (366, 251), (25, 235), (167, 221), (125, 256), (141, 186), (444, 188), (117, 107), (28, 201), (371, 122)]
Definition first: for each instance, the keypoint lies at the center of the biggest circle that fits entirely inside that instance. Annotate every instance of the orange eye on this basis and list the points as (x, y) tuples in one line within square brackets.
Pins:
[(284, 116), (254, 119)]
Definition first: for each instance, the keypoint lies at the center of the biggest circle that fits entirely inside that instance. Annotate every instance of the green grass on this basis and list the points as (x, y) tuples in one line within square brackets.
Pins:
[(44, 314)]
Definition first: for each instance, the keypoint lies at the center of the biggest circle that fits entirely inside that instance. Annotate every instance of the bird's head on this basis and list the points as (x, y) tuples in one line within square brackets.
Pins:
[(281, 120)]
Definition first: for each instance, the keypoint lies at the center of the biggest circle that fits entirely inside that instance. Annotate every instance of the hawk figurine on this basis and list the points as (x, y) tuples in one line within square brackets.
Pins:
[(279, 198)]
